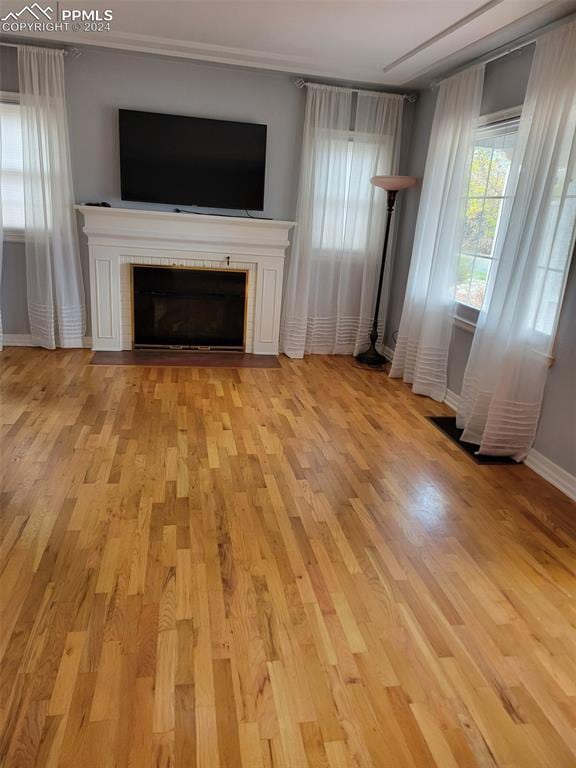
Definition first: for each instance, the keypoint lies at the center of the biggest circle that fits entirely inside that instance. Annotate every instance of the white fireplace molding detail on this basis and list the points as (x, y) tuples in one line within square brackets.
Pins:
[(120, 237)]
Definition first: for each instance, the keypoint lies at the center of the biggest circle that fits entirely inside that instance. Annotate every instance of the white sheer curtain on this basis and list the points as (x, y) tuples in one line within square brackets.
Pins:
[(56, 305), (329, 297), (1, 252), (507, 368), (421, 354)]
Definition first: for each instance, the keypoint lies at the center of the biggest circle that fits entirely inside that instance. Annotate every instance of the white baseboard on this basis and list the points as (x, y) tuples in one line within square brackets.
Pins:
[(17, 340), (555, 475), (537, 462), (25, 340), (452, 400)]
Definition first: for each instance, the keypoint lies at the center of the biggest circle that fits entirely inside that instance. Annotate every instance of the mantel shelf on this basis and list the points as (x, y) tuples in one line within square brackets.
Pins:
[(150, 214)]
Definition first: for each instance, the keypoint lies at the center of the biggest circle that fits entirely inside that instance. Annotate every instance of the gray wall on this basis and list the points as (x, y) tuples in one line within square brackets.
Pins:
[(13, 289), (505, 81), (99, 82), (8, 69), (504, 86), (556, 437)]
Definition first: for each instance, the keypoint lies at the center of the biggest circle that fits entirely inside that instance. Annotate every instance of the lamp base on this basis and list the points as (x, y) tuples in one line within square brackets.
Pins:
[(371, 357)]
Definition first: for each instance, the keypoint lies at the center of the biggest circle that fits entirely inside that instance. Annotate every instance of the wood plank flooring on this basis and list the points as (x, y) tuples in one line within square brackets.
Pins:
[(284, 568)]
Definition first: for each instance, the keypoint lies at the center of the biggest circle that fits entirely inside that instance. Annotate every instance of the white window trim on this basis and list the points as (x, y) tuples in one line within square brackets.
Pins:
[(512, 113), (10, 235), (464, 323), (459, 320), (11, 97)]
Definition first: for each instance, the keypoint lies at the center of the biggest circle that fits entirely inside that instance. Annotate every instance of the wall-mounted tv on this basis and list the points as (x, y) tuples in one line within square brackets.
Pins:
[(192, 161)]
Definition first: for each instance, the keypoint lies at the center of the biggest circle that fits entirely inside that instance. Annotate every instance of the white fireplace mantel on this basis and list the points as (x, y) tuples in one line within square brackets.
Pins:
[(120, 237)]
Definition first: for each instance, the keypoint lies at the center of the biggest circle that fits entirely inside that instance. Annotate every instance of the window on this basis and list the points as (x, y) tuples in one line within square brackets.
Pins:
[(556, 248), (487, 190), (11, 176), (342, 182)]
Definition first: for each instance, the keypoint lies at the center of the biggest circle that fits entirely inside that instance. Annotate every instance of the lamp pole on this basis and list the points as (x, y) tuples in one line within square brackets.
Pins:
[(392, 185), (371, 356)]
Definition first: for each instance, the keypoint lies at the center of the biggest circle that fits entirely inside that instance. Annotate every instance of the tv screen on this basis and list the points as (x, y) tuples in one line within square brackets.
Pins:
[(192, 161)]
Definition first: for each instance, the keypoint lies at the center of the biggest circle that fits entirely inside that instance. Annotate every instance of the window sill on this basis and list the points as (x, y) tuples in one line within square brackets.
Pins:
[(465, 317), (13, 236)]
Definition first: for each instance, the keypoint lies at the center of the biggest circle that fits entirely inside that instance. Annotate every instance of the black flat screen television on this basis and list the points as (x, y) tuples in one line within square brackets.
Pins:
[(192, 161)]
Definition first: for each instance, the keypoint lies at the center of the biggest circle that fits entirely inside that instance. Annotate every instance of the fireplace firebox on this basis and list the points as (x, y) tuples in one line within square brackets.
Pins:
[(189, 308)]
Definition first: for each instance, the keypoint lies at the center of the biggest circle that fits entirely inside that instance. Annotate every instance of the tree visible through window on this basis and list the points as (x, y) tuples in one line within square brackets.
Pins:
[(491, 160)]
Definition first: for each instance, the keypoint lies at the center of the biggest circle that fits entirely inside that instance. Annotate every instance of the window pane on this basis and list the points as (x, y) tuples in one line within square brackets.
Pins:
[(478, 281), (488, 226), (563, 234), (498, 173), (548, 307), (465, 266), (12, 184), (472, 224), (480, 171), (473, 275)]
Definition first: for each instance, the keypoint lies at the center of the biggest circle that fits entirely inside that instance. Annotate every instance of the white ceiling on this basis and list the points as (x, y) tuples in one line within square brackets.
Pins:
[(387, 42)]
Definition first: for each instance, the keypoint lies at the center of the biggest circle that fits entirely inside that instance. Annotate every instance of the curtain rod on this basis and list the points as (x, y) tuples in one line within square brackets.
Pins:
[(301, 83), (74, 52), (516, 45)]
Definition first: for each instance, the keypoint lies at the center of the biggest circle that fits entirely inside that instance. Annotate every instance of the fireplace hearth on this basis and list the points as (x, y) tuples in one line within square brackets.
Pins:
[(189, 308)]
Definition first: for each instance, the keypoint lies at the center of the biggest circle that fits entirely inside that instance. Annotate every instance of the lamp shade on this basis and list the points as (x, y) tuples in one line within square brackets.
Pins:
[(394, 183)]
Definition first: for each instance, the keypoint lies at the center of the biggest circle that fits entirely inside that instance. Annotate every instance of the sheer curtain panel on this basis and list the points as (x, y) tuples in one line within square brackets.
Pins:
[(56, 306), (421, 354), (332, 274), (508, 364), (1, 252)]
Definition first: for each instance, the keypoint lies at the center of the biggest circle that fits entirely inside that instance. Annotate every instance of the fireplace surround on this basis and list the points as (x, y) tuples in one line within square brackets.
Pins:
[(119, 238)]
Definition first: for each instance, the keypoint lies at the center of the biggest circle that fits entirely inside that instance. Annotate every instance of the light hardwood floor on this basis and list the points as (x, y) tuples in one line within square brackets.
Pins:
[(281, 568)]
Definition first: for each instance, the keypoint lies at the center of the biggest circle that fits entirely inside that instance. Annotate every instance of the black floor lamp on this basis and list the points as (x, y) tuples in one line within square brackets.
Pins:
[(392, 185)]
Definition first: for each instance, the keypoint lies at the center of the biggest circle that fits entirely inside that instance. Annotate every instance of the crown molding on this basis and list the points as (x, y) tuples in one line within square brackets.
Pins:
[(214, 54)]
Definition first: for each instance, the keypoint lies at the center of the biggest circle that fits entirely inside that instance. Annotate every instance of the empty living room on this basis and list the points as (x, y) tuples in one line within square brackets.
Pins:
[(288, 384)]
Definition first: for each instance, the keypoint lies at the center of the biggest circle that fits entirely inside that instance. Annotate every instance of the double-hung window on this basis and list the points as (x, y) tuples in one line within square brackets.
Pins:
[(494, 146), (11, 167), (488, 190), (344, 166), (556, 246)]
